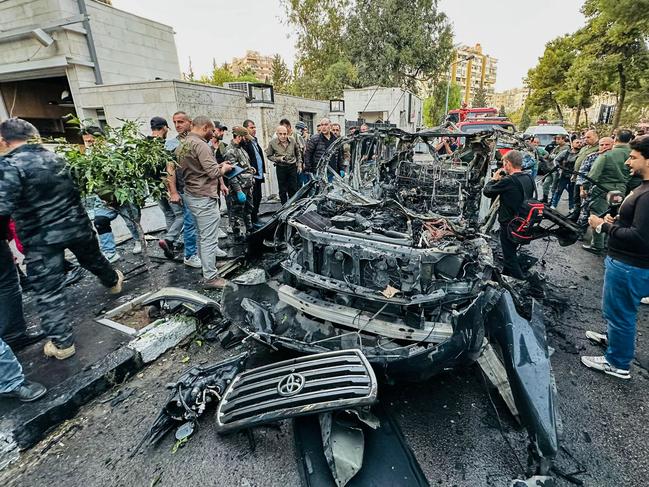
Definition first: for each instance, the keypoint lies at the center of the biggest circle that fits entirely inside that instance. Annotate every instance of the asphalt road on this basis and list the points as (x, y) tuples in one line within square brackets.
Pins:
[(449, 421)]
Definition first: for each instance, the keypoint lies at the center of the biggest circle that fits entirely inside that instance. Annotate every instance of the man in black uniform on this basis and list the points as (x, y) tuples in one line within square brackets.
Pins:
[(39, 194), (513, 187)]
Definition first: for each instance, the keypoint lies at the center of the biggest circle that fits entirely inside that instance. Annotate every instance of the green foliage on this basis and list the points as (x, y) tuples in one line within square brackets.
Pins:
[(222, 74), (366, 42), (480, 98), (434, 105), (549, 76), (122, 167), (392, 47), (281, 77)]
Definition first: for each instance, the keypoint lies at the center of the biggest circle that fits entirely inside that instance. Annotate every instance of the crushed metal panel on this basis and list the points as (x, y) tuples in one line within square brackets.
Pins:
[(343, 446)]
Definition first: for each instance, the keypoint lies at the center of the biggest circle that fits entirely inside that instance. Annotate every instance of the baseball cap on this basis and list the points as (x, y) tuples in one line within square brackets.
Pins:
[(300, 125), (219, 125), (241, 131), (158, 122)]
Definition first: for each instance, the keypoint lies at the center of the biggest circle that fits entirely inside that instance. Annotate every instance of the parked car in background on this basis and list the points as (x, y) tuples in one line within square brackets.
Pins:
[(546, 133)]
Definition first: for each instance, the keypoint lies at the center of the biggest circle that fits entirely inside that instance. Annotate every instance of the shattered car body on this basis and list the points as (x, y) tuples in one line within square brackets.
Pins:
[(394, 260)]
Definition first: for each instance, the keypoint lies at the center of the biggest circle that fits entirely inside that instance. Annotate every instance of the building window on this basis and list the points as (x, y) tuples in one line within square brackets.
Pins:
[(336, 105), (307, 118)]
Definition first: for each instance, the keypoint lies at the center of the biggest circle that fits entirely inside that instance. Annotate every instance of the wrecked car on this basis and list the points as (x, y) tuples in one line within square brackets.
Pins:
[(395, 259)]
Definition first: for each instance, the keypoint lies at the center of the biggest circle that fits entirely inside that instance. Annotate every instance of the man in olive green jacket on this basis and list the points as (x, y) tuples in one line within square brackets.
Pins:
[(611, 174), (591, 138)]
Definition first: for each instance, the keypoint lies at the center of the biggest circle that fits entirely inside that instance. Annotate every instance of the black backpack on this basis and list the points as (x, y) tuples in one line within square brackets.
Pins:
[(528, 218)]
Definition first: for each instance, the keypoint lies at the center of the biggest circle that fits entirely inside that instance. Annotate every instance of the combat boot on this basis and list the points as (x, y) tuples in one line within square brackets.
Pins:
[(51, 350), (117, 288)]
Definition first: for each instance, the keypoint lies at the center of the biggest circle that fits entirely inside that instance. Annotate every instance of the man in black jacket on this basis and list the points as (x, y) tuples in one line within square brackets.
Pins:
[(318, 145), (626, 279), (513, 187), (257, 161)]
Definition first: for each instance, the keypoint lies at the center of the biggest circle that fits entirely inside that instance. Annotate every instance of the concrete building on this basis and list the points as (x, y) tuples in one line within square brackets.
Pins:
[(262, 66), (383, 105), (512, 100), (472, 69)]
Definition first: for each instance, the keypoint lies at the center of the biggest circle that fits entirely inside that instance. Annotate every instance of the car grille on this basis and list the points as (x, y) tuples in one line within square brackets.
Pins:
[(306, 385)]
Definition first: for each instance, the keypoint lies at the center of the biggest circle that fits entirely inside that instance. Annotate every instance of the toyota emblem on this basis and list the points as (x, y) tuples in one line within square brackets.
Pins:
[(290, 385)]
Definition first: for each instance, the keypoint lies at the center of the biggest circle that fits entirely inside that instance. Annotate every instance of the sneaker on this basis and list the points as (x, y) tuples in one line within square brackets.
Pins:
[(167, 247), (216, 283), (112, 258), (51, 350), (597, 338), (117, 287), (26, 392), (24, 340), (220, 253), (600, 363), (193, 261), (137, 247), (221, 233), (645, 300)]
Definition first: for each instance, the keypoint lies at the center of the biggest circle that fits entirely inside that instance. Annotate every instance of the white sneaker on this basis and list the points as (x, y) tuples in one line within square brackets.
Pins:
[(220, 253), (137, 247), (113, 258), (600, 363), (597, 338), (221, 233), (193, 261), (645, 300)]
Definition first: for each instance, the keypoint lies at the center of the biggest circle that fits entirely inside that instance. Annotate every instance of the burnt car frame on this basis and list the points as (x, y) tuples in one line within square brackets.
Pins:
[(394, 259)]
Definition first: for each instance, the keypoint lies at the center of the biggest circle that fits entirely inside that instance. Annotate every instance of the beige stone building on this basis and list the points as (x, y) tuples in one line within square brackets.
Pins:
[(472, 69), (512, 100), (262, 66)]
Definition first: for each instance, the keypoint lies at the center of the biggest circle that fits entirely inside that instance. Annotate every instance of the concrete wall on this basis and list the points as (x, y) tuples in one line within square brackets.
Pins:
[(386, 104), (132, 48)]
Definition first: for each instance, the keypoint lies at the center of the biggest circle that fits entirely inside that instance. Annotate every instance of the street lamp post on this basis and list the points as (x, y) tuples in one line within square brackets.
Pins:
[(448, 84)]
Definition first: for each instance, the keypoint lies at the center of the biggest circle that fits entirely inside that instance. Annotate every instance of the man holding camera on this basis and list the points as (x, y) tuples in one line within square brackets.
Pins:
[(626, 279), (513, 186)]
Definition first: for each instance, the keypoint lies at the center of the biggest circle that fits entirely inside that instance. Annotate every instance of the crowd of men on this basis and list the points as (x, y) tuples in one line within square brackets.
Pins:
[(201, 172), (590, 169)]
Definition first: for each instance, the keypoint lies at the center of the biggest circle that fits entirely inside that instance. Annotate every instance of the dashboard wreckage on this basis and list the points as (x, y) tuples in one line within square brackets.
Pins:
[(388, 275)]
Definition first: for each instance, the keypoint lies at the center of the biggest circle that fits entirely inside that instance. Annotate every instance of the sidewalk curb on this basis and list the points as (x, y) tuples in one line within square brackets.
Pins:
[(27, 425)]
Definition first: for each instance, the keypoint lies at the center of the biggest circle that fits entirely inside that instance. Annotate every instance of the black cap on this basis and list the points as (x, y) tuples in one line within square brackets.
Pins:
[(158, 122), (219, 125)]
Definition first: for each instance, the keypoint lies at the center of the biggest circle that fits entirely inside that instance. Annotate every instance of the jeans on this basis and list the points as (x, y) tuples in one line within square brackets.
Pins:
[(11, 373), (624, 287), (189, 230), (173, 218), (12, 320), (103, 217), (562, 185), (207, 216), (549, 185), (46, 271)]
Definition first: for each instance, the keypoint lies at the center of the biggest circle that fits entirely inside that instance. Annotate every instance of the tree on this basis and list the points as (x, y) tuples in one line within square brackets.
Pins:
[(434, 105), (392, 47), (548, 77), (123, 167), (221, 75), (319, 26), (480, 98), (616, 35), (281, 77)]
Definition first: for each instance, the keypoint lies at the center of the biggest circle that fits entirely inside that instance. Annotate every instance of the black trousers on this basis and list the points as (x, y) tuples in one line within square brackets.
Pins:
[(286, 181), (12, 320), (256, 198), (511, 265), (45, 270)]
